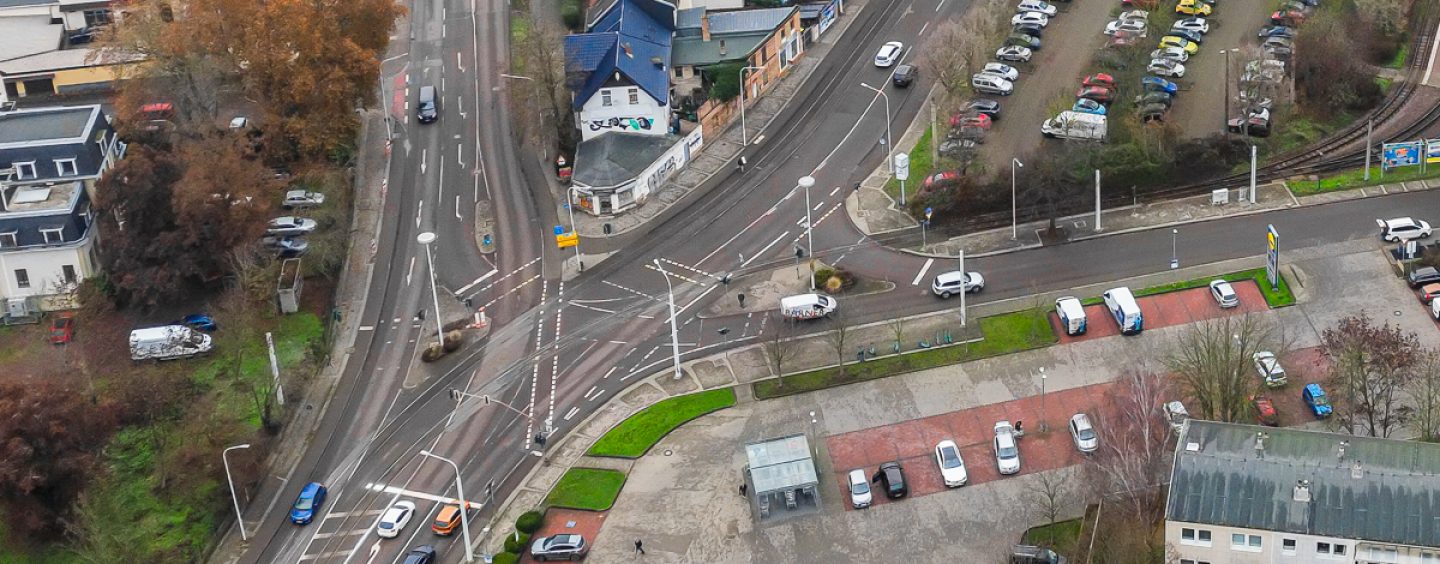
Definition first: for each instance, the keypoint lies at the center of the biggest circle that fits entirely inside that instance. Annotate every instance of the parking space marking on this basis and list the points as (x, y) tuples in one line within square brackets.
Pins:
[(366, 513), (921, 275)]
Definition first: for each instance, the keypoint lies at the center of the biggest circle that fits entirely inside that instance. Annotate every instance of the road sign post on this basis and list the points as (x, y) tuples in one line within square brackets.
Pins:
[(923, 241), (1272, 256)]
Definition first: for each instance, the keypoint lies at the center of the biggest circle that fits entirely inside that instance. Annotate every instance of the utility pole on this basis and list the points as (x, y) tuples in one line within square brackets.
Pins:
[(1097, 201), (1369, 129)]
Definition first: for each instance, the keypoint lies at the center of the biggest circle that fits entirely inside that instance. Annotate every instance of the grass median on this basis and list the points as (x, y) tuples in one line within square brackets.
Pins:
[(1355, 178), (1004, 334), (1279, 297), (590, 489), (634, 436)]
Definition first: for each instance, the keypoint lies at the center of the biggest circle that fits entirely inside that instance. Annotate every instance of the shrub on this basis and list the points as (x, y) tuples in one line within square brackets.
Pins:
[(529, 522), (505, 558), (834, 280), (573, 14), (516, 546)]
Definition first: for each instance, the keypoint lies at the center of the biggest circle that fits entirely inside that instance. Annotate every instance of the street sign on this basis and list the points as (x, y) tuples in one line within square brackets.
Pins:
[(559, 230), (902, 166), (567, 240), (1402, 154), (1272, 256), (928, 213), (1432, 151)]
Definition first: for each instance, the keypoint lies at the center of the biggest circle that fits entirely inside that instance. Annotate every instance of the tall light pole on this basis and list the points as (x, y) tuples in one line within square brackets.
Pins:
[(570, 207), (1044, 410), (1014, 209), (1225, 122), (1174, 257), (744, 138), (464, 505), (889, 144), (426, 239), (239, 519), (674, 330), (806, 182)]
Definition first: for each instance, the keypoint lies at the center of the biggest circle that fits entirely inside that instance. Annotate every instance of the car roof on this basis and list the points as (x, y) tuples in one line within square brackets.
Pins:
[(1314, 389), (951, 276), (947, 443), (311, 488), (1400, 222), (857, 475), (1081, 420)]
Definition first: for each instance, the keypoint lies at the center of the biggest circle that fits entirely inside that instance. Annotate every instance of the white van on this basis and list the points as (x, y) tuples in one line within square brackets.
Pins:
[(168, 342), (1435, 309), (1075, 125), (1072, 315), (991, 84), (1123, 308), (807, 306)]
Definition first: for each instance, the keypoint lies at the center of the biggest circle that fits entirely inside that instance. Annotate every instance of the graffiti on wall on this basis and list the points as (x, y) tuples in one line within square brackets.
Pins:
[(621, 123)]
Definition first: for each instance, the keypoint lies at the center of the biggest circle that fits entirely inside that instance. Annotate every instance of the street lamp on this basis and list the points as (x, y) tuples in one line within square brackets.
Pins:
[(889, 145), (570, 207), (1225, 122), (1044, 410), (239, 519), (744, 138), (674, 330), (464, 505), (1014, 210), (1174, 258), (426, 239), (807, 182)]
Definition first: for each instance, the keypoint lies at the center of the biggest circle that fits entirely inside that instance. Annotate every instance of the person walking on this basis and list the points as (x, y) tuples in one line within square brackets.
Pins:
[(639, 547)]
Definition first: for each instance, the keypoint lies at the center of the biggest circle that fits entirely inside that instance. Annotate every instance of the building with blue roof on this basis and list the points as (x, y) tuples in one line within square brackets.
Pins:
[(619, 71)]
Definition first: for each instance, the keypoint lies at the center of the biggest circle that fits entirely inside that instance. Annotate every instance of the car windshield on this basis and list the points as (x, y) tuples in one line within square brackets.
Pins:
[(304, 503), (948, 458), (860, 488), (1087, 434), (1008, 452)]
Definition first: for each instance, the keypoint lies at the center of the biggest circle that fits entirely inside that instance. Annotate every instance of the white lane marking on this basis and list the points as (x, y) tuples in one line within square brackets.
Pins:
[(477, 282), (762, 251), (921, 275), (651, 266), (638, 293), (458, 64), (367, 327), (592, 308), (507, 275), (511, 291), (324, 555), (697, 298), (420, 495), (419, 208), (365, 513), (824, 161), (457, 208), (571, 413), (690, 268), (837, 189), (424, 157), (818, 206), (1435, 45), (410, 271), (940, 5), (611, 371), (321, 536), (460, 153)]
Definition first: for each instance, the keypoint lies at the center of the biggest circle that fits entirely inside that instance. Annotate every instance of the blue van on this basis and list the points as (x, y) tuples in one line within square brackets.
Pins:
[(1125, 310), (308, 504)]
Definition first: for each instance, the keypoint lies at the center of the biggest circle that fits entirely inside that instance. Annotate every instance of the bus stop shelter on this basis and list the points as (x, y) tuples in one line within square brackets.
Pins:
[(780, 478)]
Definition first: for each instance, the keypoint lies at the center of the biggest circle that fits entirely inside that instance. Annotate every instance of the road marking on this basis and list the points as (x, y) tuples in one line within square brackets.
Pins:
[(324, 555), (858, 121), (818, 206), (697, 298), (652, 266), (571, 413), (612, 369), (366, 513), (766, 248), (410, 271), (367, 327), (923, 28), (507, 275), (322, 536), (940, 5), (423, 152), (477, 282), (459, 64), (837, 189), (643, 295), (460, 153), (690, 268), (382, 488), (457, 208), (921, 275), (591, 308), (512, 291), (419, 207)]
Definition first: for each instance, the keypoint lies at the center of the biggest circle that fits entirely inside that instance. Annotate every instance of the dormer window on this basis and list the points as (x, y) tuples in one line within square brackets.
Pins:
[(25, 170), (66, 167), (53, 235)]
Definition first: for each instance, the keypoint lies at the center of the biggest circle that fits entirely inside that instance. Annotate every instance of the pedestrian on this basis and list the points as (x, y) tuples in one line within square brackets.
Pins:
[(744, 488), (420, 315), (639, 547), (469, 303), (742, 164), (741, 297)]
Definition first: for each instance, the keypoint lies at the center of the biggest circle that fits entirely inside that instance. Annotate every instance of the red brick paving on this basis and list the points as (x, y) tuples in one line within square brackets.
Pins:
[(558, 521), (1164, 310), (1302, 366)]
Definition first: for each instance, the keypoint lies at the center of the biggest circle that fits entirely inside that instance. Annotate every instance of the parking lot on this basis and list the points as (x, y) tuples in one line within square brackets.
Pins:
[(1200, 110), (1164, 310), (682, 499)]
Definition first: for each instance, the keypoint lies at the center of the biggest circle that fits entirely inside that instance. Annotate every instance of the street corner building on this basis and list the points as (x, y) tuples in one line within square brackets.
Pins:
[(48, 49), (1247, 494)]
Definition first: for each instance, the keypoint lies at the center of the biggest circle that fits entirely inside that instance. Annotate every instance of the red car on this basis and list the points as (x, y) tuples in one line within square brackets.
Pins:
[(1121, 41), (1265, 411), (62, 329), (1099, 79), (1097, 93), (940, 179), (981, 121), (1429, 292), (1290, 18)]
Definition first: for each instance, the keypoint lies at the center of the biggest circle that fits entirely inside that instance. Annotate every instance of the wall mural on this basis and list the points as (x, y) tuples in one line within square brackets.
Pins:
[(630, 124)]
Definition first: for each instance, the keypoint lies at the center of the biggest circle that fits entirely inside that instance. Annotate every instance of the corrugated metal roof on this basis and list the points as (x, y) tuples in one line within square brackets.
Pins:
[(1382, 490), (747, 21)]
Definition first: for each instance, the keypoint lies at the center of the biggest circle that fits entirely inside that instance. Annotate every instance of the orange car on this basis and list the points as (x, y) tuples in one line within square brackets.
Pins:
[(446, 521)]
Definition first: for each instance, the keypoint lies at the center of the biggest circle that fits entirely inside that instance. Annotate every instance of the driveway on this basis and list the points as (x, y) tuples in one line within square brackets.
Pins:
[(1200, 108)]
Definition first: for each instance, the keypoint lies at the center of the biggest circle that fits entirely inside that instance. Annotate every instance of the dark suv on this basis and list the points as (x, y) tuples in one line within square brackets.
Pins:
[(905, 75), (894, 479), (1422, 276), (1023, 554), (423, 554)]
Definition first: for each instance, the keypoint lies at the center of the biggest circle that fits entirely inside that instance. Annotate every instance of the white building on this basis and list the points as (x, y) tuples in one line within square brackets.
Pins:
[(1242, 494)]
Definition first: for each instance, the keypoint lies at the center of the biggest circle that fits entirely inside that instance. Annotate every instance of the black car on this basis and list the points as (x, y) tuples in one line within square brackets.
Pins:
[(428, 110), (894, 479), (1149, 98), (423, 554), (1276, 31), (905, 75), (985, 106), (1194, 36), (1031, 29), (1419, 277), (1277, 52), (1023, 40)]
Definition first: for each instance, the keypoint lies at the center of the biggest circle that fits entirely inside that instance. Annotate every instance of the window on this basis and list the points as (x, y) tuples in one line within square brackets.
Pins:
[(66, 167), (1249, 543), (97, 17), (1200, 537), (1254, 541), (1187, 534), (634, 96), (25, 170), (1287, 546), (8, 239), (1377, 554), (679, 72), (67, 273), (605, 99), (1340, 550), (53, 235), (22, 278)]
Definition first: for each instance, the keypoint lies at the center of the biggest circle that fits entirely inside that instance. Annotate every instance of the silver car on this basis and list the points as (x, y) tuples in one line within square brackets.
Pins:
[(860, 496), (290, 225), (559, 547), (1007, 450), (1083, 433), (302, 199)]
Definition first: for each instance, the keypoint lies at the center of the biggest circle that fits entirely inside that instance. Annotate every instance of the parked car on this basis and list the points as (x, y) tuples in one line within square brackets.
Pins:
[(1166, 67), (1277, 53), (1271, 373), (991, 84), (1224, 294), (1133, 36), (954, 282), (1140, 15), (1097, 93), (1099, 79), (1036, 6), (1001, 70), (1088, 106), (1271, 42), (1151, 98), (1422, 276), (1173, 53), (952, 467), (559, 547), (1083, 433), (1179, 42), (1192, 8), (302, 199), (1287, 18), (423, 554), (860, 496), (1035, 18), (1157, 84), (893, 476), (1027, 554), (1193, 36), (1121, 40), (395, 519), (983, 106), (1013, 53), (905, 75), (287, 247), (940, 179), (308, 503), (1265, 411), (1023, 40), (1196, 24), (199, 322), (290, 225), (1315, 398), (889, 54), (62, 328), (1402, 229), (1428, 293), (1153, 112), (1138, 26), (1007, 451), (1276, 31)]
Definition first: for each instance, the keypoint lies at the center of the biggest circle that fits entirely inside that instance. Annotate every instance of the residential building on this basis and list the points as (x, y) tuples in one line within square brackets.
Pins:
[(50, 160), (618, 69), (1243, 494), (767, 41), (47, 48)]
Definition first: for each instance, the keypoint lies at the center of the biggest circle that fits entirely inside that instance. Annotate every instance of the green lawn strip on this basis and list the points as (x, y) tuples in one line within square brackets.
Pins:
[(1004, 334), (590, 489), (1061, 534), (635, 435), (1355, 178), (1399, 61), (920, 167), (1274, 298)]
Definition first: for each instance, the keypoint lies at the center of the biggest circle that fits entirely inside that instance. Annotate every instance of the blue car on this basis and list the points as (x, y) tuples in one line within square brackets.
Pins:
[(200, 322), (308, 504), (1088, 106), (1157, 84), (1315, 398)]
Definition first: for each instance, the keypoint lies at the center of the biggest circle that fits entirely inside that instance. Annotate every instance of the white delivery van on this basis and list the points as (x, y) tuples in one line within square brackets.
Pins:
[(1123, 308), (1075, 125), (1435, 309), (167, 342), (807, 306), (1072, 315)]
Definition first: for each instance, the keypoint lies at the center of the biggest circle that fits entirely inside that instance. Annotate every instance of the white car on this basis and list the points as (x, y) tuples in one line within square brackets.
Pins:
[(889, 54), (1083, 433), (1224, 294), (1196, 24), (290, 225), (1035, 18), (1166, 67), (1013, 53), (302, 199), (1128, 26), (1176, 415), (947, 284), (1402, 229), (952, 467), (1270, 370), (1036, 6), (860, 496), (1141, 15), (395, 519), (1007, 451), (1001, 70), (1172, 53)]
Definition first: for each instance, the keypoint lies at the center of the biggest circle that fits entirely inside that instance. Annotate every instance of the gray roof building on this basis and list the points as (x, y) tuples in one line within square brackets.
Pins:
[(706, 37), (56, 144), (617, 158), (1307, 483)]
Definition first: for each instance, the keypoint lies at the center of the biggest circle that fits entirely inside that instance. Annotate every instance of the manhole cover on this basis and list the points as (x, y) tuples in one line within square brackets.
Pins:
[(669, 452), (1397, 313)]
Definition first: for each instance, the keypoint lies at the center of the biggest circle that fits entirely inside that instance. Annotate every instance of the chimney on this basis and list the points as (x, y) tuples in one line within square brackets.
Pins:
[(1302, 491), (705, 26), (1343, 446), (1260, 444), (629, 52)]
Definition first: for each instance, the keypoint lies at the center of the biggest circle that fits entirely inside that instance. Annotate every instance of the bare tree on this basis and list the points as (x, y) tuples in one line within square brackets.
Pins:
[(897, 328), (838, 337), (1370, 365), (1424, 391), (1215, 362), (1133, 459), (1051, 493), (778, 346)]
